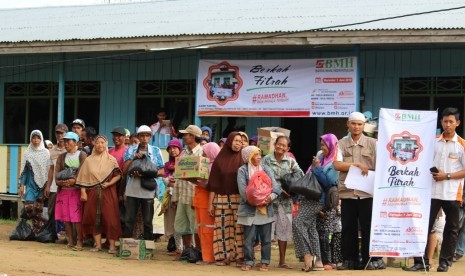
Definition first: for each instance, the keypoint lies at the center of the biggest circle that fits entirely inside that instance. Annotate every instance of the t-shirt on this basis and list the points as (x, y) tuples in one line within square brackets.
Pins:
[(118, 155), (54, 153), (164, 130), (72, 159)]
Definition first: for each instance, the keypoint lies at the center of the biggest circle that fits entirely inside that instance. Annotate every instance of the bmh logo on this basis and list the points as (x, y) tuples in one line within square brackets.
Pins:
[(335, 63), (407, 117)]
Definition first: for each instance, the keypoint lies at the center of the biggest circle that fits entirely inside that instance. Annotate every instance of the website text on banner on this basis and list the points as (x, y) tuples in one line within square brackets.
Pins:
[(402, 194), (324, 87)]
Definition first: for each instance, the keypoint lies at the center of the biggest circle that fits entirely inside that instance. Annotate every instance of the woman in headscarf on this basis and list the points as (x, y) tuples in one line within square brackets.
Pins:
[(169, 210), (304, 226), (329, 220), (35, 165), (224, 200), (256, 219), (207, 133), (98, 175), (205, 222), (245, 139), (282, 164)]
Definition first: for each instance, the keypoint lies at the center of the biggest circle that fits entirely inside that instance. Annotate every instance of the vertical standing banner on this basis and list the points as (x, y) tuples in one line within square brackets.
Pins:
[(324, 87), (402, 194)]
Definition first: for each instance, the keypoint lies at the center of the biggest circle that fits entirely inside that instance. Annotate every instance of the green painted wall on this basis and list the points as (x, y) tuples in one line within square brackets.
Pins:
[(380, 71)]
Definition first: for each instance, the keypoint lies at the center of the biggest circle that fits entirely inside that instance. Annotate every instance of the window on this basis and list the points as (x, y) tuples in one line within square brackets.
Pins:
[(33, 105), (430, 93), (177, 97)]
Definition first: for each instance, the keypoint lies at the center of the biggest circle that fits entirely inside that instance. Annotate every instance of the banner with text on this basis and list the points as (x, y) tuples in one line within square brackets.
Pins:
[(324, 87), (402, 194)]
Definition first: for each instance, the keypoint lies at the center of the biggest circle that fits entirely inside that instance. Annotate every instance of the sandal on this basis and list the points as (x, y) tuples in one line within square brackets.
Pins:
[(246, 267), (308, 267), (112, 251), (95, 249), (76, 248), (286, 266), (69, 246), (222, 263), (263, 267)]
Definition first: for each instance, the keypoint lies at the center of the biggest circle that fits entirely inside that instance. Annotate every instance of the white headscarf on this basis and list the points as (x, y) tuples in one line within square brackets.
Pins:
[(38, 160), (247, 154)]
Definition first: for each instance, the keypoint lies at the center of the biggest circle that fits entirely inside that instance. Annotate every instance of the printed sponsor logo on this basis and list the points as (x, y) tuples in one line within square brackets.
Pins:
[(407, 117)]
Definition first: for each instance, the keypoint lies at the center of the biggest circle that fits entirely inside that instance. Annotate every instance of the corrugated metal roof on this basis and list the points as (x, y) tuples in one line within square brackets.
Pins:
[(206, 17)]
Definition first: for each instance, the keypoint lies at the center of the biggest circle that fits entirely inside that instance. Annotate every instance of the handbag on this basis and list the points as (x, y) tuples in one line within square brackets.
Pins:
[(289, 178), (332, 198), (148, 183), (307, 186)]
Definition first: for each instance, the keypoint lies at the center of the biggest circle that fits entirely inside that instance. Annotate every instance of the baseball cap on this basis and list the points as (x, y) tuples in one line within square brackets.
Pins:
[(61, 128), (192, 129), (79, 122), (144, 129), (71, 136), (119, 130)]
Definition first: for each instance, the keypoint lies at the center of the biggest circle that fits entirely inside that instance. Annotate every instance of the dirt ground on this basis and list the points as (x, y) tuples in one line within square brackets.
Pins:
[(33, 258)]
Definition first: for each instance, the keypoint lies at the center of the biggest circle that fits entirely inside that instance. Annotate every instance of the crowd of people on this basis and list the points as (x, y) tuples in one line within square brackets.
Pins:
[(99, 193)]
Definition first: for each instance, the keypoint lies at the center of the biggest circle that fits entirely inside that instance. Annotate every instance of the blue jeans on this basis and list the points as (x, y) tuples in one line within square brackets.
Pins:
[(250, 232), (132, 205), (461, 240)]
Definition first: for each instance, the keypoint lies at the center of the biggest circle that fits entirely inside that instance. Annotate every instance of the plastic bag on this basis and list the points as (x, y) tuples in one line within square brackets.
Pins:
[(144, 166), (22, 232), (307, 186), (287, 179), (171, 246), (67, 173), (47, 233), (191, 254), (258, 189)]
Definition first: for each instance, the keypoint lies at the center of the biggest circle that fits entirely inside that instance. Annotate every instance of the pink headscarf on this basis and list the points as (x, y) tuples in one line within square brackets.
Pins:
[(211, 150), (331, 142)]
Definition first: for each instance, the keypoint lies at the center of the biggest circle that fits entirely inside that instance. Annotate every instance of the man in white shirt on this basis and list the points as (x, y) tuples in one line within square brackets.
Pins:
[(447, 188)]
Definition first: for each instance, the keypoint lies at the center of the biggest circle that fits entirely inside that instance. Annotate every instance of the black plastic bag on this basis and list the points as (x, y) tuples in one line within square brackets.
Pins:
[(287, 179), (171, 247), (144, 166), (307, 186), (22, 232), (191, 254), (67, 173), (47, 233), (148, 183)]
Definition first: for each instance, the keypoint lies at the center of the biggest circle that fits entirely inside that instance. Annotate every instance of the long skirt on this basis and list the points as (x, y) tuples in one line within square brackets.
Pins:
[(304, 228), (228, 237), (101, 213)]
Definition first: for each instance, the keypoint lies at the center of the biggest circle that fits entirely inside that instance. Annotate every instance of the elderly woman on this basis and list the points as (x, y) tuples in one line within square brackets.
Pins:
[(254, 220), (224, 200), (35, 165), (68, 207), (282, 164), (306, 240), (99, 174)]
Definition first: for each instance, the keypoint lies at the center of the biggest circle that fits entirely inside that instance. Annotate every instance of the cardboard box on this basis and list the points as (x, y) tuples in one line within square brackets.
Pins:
[(131, 249), (191, 167), (267, 137)]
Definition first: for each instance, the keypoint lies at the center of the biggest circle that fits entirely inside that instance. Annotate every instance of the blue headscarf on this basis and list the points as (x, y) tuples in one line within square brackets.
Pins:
[(205, 128)]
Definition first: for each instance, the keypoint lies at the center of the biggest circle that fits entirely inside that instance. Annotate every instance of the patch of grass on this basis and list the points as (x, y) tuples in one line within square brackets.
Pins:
[(7, 221)]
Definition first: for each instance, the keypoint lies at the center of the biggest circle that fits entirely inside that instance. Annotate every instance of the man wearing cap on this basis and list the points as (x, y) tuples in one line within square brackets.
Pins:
[(77, 126), (356, 150), (183, 192), (51, 189), (136, 195)]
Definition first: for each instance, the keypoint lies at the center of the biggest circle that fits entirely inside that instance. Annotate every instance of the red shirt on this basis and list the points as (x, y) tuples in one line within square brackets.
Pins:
[(119, 155)]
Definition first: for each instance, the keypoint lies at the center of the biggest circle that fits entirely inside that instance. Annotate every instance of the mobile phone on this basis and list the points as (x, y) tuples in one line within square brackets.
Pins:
[(166, 122), (434, 170)]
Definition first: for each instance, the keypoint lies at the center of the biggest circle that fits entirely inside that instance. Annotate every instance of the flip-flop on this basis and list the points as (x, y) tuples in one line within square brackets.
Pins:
[(76, 248), (285, 266), (95, 249), (263, 267), (112, 251), (246, 267)]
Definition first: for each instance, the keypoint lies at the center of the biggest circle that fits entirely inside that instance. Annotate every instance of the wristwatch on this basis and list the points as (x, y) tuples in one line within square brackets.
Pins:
[(448, 176)]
